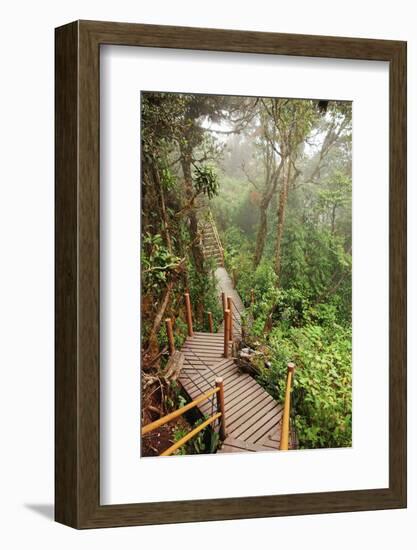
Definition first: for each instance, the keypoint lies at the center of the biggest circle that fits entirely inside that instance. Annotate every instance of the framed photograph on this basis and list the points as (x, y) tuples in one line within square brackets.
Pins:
[(230, 274)]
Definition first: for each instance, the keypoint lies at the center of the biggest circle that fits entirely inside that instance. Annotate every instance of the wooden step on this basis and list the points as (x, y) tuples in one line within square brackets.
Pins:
[(232, 445)]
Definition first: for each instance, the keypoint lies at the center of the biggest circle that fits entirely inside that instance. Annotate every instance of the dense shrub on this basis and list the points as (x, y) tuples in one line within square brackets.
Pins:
[(321, 397), (316, 339)]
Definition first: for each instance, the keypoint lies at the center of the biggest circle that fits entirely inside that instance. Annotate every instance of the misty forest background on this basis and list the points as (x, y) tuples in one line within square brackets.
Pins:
[(276, 174)]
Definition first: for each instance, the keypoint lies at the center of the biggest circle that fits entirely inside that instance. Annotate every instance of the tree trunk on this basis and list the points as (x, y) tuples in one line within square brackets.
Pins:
[(196, 250), (153, 346), (270, 189), (333, 227), (261, 236), (282, 203), (165, 224)]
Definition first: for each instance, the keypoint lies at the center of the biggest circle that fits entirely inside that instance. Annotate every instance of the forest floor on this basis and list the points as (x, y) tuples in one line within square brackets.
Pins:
[(156, 442)]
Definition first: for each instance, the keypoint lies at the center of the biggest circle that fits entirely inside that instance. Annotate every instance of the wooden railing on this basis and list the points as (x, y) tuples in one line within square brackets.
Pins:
[(216, 235), (285, 429), (219, 391), (228, 305)]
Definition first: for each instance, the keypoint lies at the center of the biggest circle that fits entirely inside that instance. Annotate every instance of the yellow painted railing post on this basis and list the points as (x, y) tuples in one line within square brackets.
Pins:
[(285, 429), (220, 407), (230, 328), (210, 320), (189, 314), (170, 335), (226, 333)]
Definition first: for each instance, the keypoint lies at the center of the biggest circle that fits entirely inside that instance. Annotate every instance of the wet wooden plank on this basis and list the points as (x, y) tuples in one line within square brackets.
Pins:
[(255, 421), (233, 445), (202, 342), (248, 412), (242, 388), (232, 385), (215, 353), (223, 368), (208, 384), (238, 385), (204, 336), (271, 441), (272, 423), (237, 402)]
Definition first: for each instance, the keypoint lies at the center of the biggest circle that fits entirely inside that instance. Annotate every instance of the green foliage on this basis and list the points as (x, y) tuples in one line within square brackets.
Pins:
[(316, 262), (206, 180), (174, 399), (157, 262), (310, 336), (322, 388), (234, 207), (205, 441), (262, 280), (317, 338), (168, 178), (237, 249), (193, 446), (178, 169), (335, 192)]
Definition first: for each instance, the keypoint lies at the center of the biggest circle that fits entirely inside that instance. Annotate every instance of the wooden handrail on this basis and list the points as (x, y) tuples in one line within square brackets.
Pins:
[(171, 416), (219, 390), (230, 325), (226, 318), (216, 235), (285, 428), (220, 407), (190, 435)]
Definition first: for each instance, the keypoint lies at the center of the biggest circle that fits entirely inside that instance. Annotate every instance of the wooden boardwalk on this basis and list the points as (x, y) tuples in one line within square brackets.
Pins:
[(224, 284), (253, 417)]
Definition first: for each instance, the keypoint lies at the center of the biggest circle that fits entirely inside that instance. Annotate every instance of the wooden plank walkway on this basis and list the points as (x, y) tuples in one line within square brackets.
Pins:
[(253, 417), (224, 284)]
